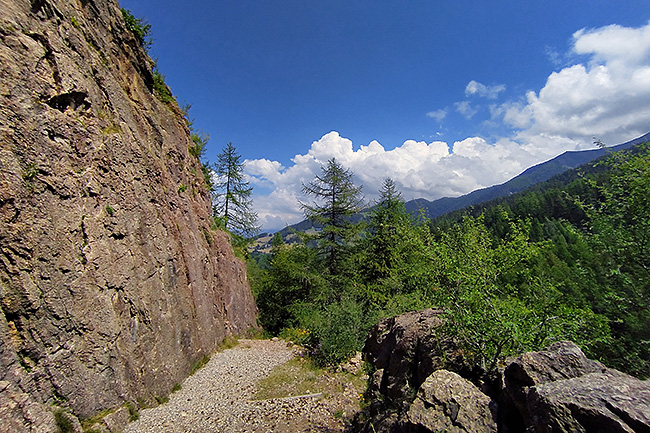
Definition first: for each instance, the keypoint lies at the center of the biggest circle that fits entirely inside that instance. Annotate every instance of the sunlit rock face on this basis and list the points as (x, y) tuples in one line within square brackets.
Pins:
[(112, 283)]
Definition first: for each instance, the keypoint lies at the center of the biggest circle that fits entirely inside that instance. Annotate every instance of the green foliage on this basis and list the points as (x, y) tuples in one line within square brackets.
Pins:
[(336, 329), (134, 413), (63, 421), (620, 235), (182, 188), (536, 268), (109, 210), (228, 343), (160, 89), (30, 172), (294, 276), (74, 21), (112, 129), (232, 194), (337, 199), (140, 29), (200, 140), (494, 306)]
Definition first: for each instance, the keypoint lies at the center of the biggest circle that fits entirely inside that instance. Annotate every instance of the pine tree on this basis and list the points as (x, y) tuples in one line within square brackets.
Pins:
[(388, 222), (337, 199), (232, 194)]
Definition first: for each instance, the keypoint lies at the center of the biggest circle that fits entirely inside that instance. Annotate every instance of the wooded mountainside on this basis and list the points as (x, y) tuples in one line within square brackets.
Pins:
[(569, 259)]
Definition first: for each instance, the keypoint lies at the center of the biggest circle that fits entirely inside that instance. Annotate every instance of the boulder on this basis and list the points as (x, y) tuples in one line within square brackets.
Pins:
[(608, 401), (406, 349), (447, 402), (561, 360)]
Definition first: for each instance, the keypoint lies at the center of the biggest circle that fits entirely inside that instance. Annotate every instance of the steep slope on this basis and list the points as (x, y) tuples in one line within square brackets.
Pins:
[(533, 175), (112, 283)]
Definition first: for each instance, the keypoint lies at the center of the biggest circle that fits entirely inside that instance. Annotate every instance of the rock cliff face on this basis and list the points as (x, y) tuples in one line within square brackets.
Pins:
[(112, 283)]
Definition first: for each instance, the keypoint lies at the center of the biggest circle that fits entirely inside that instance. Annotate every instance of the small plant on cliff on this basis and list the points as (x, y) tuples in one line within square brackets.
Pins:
[(109, 210), (30, 172), (63, 421), (160, 89), (140, 29)]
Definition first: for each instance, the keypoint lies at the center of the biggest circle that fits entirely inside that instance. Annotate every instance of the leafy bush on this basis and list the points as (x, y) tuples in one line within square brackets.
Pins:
[(337, 330), (200, 140), (140, 29), (160, 89)]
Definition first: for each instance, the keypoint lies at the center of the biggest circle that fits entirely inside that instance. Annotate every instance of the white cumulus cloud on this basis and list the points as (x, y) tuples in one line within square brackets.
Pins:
[(607, 95)]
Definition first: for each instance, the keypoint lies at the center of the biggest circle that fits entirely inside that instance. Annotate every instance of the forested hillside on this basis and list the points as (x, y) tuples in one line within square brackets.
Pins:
[(569, 261)]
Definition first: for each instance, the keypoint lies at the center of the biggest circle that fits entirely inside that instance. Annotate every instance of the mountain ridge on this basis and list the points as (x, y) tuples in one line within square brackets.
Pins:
[(536, 174), (533, 175)]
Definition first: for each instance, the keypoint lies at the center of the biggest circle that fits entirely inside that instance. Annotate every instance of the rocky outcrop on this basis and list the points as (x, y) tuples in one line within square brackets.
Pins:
[(447, 402), (555, 390), (560, 390), (112, 282)]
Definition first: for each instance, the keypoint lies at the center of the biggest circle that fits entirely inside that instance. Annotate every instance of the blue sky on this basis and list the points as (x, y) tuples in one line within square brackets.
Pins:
[(443, 96)]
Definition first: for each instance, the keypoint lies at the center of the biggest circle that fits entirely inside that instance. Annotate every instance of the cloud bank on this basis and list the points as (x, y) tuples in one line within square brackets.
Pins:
[(606, 95)]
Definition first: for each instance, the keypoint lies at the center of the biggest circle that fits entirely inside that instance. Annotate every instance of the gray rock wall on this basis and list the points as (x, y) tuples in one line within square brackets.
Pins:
[(112, 283)]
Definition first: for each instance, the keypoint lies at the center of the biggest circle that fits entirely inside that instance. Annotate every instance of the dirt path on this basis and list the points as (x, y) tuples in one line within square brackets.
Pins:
[(218, 398)]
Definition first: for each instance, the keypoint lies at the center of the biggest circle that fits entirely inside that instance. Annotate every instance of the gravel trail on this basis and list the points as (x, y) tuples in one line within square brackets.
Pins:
[(216, 398)]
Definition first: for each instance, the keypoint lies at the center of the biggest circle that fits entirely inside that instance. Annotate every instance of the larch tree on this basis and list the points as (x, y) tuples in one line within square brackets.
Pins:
[(233, 204), (337, 198)]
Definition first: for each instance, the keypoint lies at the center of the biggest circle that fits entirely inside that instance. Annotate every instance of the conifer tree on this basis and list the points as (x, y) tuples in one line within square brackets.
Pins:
[(233, 204), (337, 199), (388, 221)]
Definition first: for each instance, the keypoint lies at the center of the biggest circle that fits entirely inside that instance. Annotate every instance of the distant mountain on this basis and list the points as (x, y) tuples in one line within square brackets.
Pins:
[(533, 175)]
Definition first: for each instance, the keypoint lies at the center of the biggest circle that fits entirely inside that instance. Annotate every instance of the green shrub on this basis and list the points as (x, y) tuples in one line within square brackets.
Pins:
[(160, 89), (182, 188), (30, 172), (336, 331), (200, 140), (138, 27), (228, 343), (63, 421), (109, 210)]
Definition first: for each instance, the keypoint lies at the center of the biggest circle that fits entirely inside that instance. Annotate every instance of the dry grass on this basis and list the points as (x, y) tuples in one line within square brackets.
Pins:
[(300, 376)]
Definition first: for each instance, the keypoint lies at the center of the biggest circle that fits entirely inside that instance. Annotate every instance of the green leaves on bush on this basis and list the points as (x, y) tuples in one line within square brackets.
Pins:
[(160, 89), (140, 29)]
